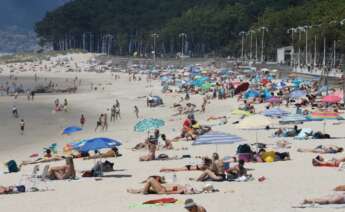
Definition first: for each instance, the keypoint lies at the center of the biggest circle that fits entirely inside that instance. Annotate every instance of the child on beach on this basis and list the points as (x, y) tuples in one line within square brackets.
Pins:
[(82, 120), (136, 110), (22, 126)]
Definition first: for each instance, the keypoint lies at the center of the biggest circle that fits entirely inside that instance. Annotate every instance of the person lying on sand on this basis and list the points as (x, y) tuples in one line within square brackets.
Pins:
[(206, 163), (62, 172), (12, 189), (47, 157), (327, 200), (154, 186), (152, 147), (215, 172), (323, 149), (320, 161), (112, 153)]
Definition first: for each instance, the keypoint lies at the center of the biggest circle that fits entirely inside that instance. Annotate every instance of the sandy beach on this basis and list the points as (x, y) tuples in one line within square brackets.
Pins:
[(287, 182)]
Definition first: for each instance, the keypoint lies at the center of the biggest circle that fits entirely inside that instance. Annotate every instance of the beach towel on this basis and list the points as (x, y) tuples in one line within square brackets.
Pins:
[(330, 206), (161, 201)]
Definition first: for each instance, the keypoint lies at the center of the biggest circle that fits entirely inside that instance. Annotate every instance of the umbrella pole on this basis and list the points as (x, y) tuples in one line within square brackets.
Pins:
[(256, 136), (324, 127)]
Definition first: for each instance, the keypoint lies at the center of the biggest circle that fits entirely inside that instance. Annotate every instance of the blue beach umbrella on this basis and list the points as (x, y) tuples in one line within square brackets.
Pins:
[(96, 144), (148, 124), (71, 130), (297, 94), (251, 94)]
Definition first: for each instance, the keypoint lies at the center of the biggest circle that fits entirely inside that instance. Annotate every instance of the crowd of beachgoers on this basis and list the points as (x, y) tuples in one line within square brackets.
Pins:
[(280, 110)]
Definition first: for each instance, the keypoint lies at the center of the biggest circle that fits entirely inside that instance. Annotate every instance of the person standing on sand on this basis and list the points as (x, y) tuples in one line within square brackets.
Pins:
[(136, 110), (65, 105), (112, 113), (15, 112), (82, 120), (22, 126), (105, 122), (117, 112), (99, 122)]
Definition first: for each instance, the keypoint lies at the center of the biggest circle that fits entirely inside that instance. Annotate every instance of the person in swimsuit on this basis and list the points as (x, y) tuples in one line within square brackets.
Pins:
[(154, 186), (320, 161), (191, 206), (333, 199), (321, 149), (62, 172), (215, 172), (22, 126), (200, 167)]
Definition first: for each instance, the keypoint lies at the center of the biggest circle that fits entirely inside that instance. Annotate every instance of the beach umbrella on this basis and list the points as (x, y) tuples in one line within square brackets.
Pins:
[(217, 138), (297, 94), (241, 112), (148, 124), (274, 100), (331, 99), (255, 122), (241, 88), (275, 112), (251, 94), (324, 115), (206, 86), (292, 118), (71, 130), (96, 144)]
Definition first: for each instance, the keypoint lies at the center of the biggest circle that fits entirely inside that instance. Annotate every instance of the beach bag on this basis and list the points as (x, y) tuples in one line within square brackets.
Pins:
[(12, 166), (244, 148)]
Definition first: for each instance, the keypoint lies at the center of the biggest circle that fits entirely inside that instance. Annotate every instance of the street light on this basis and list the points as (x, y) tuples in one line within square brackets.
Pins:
[(343, 23), (292, 31), (306, 28), (242, 33), (183, 36), (155, 36), (250, 32), (263, 29), (300, 30)]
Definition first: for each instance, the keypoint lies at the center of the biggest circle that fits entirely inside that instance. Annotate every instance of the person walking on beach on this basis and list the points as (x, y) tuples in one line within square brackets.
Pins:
[(136, 110), (82, 120), (65, 105), (99, 122), (15, 112), (105, 122), (117, 112), (22, 126), (112, 113)]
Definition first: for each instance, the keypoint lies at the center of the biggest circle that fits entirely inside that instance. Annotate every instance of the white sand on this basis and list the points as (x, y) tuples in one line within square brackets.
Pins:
[(287, 184)]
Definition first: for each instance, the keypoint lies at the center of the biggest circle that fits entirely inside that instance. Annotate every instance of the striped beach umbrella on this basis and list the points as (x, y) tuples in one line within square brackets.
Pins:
[(324, 115), (217, 138)]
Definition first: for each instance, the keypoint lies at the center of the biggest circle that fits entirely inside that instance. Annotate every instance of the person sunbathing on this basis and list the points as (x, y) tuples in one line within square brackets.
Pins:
[(320, 161), (200, 167), (47, 157), (62, 172), (154, 186), (327, 200), (322, 149), (168, 142), (237, 171), (215, 172), (152, 147), (12, 189), (112, 153)]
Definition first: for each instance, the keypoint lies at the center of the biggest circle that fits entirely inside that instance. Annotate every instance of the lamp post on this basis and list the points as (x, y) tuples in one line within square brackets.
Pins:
[(342, 23), (242, 33), (306, 28), (154, 36), (300, 30), (292, 31), (250, 33), (263, 29)]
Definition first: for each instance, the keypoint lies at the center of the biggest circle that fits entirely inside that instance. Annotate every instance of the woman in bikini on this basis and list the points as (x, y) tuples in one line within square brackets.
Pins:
[(320, 161), (154, 186), (330, 149)]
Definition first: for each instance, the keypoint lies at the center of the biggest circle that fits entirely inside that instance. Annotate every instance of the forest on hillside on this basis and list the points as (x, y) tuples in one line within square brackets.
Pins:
[(199, 27)]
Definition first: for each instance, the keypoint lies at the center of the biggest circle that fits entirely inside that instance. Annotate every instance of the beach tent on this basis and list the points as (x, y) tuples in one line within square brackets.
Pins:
[(275, 112), (255, 122)]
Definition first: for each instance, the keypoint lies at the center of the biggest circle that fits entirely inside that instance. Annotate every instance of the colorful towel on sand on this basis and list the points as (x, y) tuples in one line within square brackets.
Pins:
[(161, 201), (141, 205)]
